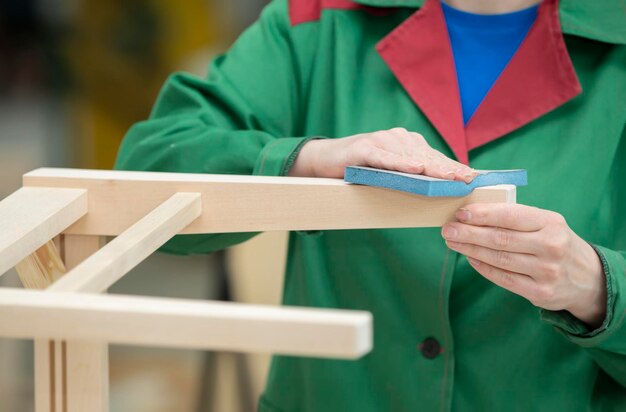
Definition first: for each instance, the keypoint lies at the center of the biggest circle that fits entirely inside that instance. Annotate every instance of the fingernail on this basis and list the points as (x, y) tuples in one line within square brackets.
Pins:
[(463, 215), (449, 232), (473, 262), (453, 245)]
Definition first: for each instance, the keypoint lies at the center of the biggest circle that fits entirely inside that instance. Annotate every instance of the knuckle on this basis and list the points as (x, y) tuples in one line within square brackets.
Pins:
[(551, 245), (415, 167), (503, 258), (477, 212), (556, 246), (502, 238), (557, 219), (398, 130), (509, 215), (551, 271), (506, 278)]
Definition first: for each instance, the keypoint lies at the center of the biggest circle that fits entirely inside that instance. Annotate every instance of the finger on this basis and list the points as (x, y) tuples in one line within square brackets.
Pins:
[(440, 166), (505, 215), (517, 283), (388, 160), (492, 237), (383, 159), (513, 262)]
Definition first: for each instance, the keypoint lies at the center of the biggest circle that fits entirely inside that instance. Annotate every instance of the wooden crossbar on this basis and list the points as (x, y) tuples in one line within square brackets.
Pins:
[(253, 203), (32, 216), (109, 264), (184, 323)]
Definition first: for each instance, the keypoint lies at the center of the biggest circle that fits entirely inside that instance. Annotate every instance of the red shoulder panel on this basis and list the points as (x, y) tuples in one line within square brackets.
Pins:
[(302, 11)]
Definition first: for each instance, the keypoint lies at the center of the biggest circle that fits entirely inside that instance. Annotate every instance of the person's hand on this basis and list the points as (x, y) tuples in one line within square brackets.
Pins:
[(533, 253), (395, 149)]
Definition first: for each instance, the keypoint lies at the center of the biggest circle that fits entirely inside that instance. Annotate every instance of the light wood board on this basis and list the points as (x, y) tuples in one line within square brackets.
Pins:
[(254, 203), (185, 324), (30, 217)]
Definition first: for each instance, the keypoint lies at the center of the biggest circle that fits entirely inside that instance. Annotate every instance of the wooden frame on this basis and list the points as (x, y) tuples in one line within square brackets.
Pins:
[(72, 326)]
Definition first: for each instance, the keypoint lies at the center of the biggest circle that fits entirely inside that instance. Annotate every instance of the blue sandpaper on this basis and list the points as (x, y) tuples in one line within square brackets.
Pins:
[(431, 186)]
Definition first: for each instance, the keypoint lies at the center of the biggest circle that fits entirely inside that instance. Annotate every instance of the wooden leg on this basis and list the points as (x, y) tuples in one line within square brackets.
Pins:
[(44, 375), (69, 376), (38, 271), (87, 376), (86, 365)]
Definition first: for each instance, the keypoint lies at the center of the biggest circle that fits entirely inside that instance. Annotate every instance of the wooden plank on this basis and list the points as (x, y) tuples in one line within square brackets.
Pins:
[(185, 324), (117, 258), (254, 203), (32, 216), (85, 364)]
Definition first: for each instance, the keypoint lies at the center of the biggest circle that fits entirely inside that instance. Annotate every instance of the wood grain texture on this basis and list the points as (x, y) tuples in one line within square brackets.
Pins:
[(118, 257), (30, 217), (42, 268), (185, 324), (254, 203)]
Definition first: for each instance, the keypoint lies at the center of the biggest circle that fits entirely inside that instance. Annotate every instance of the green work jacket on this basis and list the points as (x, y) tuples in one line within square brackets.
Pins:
[(444, 337)]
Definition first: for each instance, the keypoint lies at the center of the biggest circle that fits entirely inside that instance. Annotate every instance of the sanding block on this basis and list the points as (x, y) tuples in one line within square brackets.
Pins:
[(431, 186)]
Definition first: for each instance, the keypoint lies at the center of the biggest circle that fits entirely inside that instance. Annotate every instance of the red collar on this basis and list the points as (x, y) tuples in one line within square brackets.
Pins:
[(539, 78)]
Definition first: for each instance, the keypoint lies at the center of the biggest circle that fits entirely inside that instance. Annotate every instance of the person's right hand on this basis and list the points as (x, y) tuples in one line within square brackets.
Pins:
[(395, 149)]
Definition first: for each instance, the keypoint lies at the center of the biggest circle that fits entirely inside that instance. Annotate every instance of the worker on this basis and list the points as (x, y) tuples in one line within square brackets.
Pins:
[(512, 306)]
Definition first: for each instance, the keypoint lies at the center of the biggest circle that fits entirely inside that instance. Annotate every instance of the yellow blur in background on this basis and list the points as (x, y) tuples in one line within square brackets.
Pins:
[(74, 76), (122, 57)]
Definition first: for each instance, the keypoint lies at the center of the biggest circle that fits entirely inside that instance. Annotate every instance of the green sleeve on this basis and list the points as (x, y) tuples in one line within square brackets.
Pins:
[(607, 344), (240, 119)]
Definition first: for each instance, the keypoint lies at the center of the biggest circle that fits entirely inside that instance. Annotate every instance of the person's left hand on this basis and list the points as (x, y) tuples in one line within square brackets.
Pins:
[(533, 253)]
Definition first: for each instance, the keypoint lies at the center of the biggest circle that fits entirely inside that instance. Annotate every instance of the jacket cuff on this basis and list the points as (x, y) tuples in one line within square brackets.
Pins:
[(611, 335), (278, 156)]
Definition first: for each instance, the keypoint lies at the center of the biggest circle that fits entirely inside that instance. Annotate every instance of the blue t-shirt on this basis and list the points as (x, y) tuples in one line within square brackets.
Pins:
[(482, 46)]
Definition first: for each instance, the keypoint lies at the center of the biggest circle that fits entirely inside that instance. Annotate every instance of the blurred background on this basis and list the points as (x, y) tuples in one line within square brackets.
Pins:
[(74, 76)]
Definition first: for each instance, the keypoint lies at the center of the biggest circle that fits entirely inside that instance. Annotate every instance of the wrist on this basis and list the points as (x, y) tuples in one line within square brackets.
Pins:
[(591, 306), (304, 164)]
